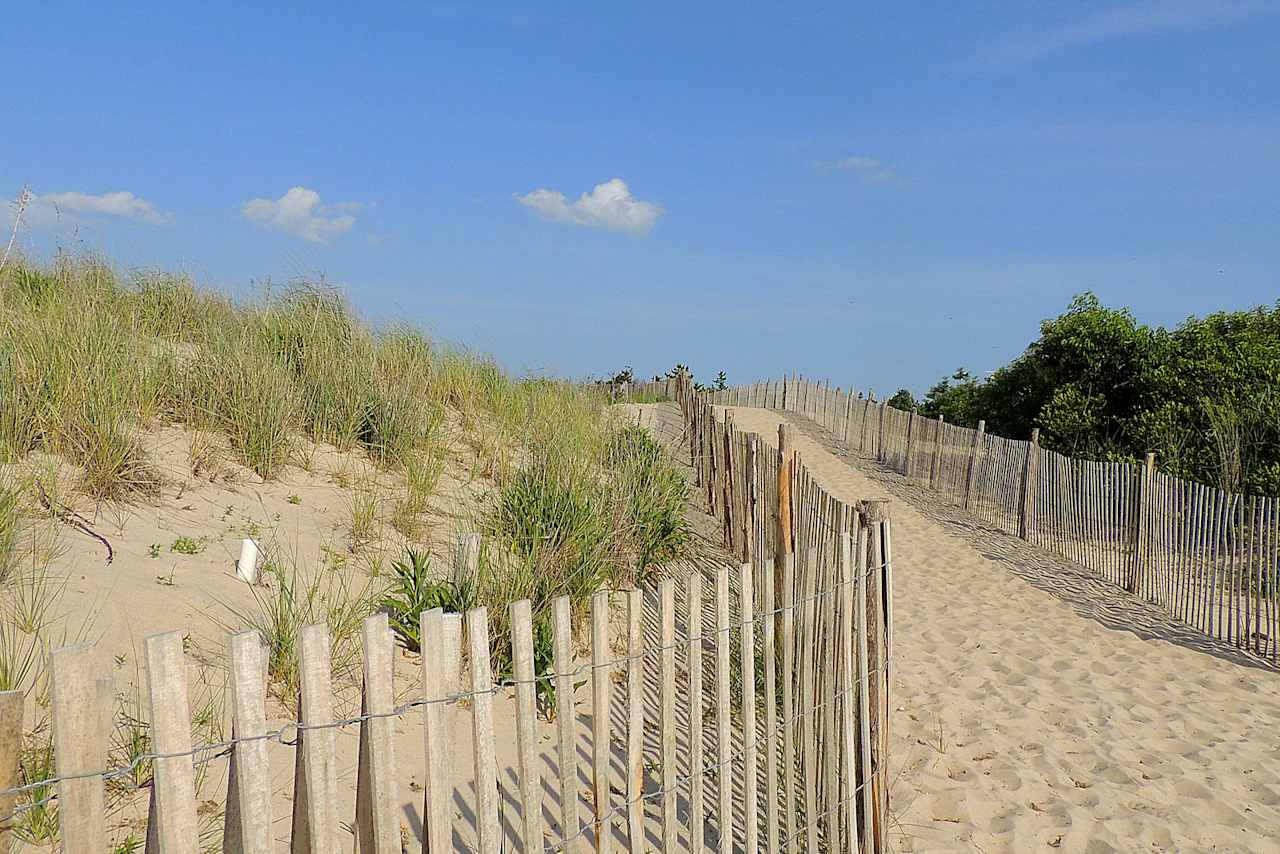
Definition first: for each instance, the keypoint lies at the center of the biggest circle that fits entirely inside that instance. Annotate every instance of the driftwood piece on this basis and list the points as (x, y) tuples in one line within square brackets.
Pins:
[(70, 517)]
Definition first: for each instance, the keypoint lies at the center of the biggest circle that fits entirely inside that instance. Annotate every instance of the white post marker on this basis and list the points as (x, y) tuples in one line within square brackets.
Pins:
[(247, 565)]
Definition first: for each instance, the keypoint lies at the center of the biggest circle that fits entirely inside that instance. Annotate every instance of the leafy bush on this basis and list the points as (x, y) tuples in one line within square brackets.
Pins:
[(413, 591), (1205, 396)]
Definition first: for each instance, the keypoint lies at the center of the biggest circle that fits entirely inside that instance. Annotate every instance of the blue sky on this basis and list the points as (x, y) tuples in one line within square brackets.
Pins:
[(874, 193)]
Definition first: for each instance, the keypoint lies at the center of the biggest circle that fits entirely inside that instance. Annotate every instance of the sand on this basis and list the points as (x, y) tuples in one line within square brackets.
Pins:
[(1030, 716)]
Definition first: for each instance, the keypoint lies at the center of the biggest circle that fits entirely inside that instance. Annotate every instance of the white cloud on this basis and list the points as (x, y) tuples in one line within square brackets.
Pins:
[(299, 212), (1138, 18), (609, 206), (866, 168), (51, 207)]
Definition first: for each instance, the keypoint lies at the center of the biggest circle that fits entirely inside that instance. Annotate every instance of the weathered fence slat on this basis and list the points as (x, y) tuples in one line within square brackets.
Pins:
[(377, 804), (172, 826), (600, 747), (247, 822), (565, 715), (437, 809), (80, 747), (693, 667), (522, 667), (315, 823), (750, 770), (635, 721), (667, 640), (488, 830)]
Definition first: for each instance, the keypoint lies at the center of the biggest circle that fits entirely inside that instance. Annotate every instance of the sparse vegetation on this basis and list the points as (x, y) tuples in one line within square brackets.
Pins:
[(188, 545), (414, 589), (295, 598)]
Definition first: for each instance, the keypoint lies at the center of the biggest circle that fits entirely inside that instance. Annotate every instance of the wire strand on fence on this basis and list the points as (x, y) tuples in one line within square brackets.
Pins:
[(767, 738), (217, 750)]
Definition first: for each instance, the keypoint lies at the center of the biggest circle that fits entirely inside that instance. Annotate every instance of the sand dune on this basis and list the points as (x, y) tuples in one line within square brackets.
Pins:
[(1029, 716)]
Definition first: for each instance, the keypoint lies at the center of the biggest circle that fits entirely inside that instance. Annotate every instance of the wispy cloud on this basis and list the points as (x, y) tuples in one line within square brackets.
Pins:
[(48, 208), (300, 213), (1135, 19), (609, 206), (866, 168)]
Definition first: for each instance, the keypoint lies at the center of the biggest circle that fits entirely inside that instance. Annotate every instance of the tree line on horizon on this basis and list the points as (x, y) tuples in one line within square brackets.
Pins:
[(1204, 396)]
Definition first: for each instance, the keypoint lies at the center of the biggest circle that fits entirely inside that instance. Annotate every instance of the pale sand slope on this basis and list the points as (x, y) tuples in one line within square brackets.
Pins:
[(1023, 724)]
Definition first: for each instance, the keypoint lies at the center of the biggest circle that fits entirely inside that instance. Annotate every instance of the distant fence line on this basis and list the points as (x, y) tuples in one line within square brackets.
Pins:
[(1209, 557), (786, 751)]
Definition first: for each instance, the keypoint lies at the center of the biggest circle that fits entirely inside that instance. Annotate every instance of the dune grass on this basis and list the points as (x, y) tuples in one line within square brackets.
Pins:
[(90, 359)]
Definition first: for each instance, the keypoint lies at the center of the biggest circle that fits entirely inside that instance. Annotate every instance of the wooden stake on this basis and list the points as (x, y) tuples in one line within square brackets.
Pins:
[(80, 747), (10, 758), (1030, 469), (635, 721), (667, 639), (486, 761), (437, 809), (725, 752), (173, 790), (526, 724), (697, 783), (315, 823), (247, 823), (600, 719), (563, 652)]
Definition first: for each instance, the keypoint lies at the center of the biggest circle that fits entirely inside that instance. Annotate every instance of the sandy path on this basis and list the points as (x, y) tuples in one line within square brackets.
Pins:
[(1029, 717)]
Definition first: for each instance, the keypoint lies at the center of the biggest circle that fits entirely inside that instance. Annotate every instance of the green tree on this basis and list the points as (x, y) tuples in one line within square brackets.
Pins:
[(903, 399), (1205, 397), (955, 398)]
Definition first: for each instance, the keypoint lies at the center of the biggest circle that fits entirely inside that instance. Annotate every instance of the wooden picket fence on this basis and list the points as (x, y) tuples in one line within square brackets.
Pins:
[(1210, 558), (776, 740)]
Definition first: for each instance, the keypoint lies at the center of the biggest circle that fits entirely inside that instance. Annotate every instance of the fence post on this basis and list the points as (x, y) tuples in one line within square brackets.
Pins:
[(172, 827), (667, 643), (1142, 523), (866, 413), (911, 434), (880, 439), (875, 521), (973, 463), (10, 754), (727, 485), (377, 829), (79, 747), (783, 545), (750, 501), (466, 560), (1030, 472), (848, 415), (522, 666), (936, 462), (315, 821), (247, 823)]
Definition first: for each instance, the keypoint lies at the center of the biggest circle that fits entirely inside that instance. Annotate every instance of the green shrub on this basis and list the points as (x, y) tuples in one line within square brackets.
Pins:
[(413, 591)]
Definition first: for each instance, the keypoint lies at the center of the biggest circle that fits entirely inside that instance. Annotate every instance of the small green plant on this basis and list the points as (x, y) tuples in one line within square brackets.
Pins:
[(129, 845), (413, 591), (364, 515), (10, 520), (188, 545), (154, 550), (300, 599), (295, 499), (39, 823)]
